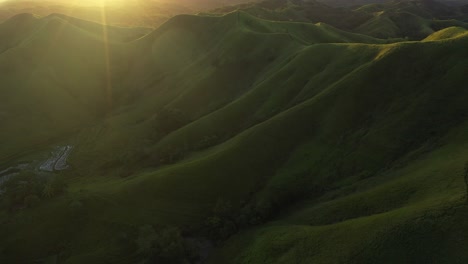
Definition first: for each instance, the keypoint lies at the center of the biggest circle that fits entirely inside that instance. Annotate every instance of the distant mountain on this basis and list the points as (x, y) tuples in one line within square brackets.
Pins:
[(366, 2), (143, 13), (208, 4), (302, 11), (395, 19), (413, 19), (128, 15)]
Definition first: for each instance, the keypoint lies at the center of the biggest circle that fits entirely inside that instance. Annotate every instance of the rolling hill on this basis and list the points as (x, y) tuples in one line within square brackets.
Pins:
[(413, 19), (135, 13), (343, 3), (393, 19), (275, 141)]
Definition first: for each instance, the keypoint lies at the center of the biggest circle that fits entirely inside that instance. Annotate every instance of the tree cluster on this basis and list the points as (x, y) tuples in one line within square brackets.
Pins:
[(27, 189), (165, 246), (465, 174)]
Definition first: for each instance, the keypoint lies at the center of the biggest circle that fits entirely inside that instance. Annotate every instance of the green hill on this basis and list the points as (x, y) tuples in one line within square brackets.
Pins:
[(280, 142), (365, 2), (54, 73), (393, 19), (301, 11), (448, 33), (136, 13), (412, 19)]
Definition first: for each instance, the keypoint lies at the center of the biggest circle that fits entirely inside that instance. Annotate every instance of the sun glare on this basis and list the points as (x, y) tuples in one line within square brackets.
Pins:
[(106, 50), (104, 2)]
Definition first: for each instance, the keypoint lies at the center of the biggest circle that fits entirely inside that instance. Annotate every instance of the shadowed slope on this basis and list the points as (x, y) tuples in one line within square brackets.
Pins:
[(53, 74)]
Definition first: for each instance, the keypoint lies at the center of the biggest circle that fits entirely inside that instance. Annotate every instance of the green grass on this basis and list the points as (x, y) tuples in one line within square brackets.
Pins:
[(350, 149), (425, 201), (448, 33), (393, 20)]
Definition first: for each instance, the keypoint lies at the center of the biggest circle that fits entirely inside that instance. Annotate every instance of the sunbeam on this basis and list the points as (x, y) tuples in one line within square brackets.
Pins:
[(105, 37)]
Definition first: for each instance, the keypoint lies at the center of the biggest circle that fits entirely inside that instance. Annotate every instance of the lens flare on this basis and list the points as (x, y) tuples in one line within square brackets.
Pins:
[(105, 37)]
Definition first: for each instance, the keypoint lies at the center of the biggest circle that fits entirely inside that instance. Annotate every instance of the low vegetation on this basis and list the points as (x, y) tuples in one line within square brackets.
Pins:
[(28, 189), (166, 246), (277, 141), (465, 174)]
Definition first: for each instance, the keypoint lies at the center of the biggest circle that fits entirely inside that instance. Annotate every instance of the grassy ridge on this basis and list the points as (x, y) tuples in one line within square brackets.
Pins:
[(54, 74), (395, 19)]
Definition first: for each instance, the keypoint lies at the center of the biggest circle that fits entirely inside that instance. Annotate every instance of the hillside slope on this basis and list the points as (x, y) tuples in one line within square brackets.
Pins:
[(392, 19), (281, 142), (54, 73), (411, 19), (137, 13)]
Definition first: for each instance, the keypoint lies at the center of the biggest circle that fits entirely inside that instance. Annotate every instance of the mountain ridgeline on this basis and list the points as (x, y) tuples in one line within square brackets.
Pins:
[(390, 19), (238, 136)]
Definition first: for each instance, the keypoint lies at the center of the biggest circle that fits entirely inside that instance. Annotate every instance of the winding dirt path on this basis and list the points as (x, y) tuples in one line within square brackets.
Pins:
[(58, 160)]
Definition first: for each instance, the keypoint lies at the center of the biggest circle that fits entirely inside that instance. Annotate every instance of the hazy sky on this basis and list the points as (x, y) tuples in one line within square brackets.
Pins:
[(146, 13)]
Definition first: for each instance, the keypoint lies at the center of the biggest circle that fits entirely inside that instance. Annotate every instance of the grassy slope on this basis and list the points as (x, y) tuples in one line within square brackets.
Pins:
[(305, 11), (448, 33), (412, 19), (381, 144), (54, 74), (407, 219), (395, 19), (135, 13), (409, 201)]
